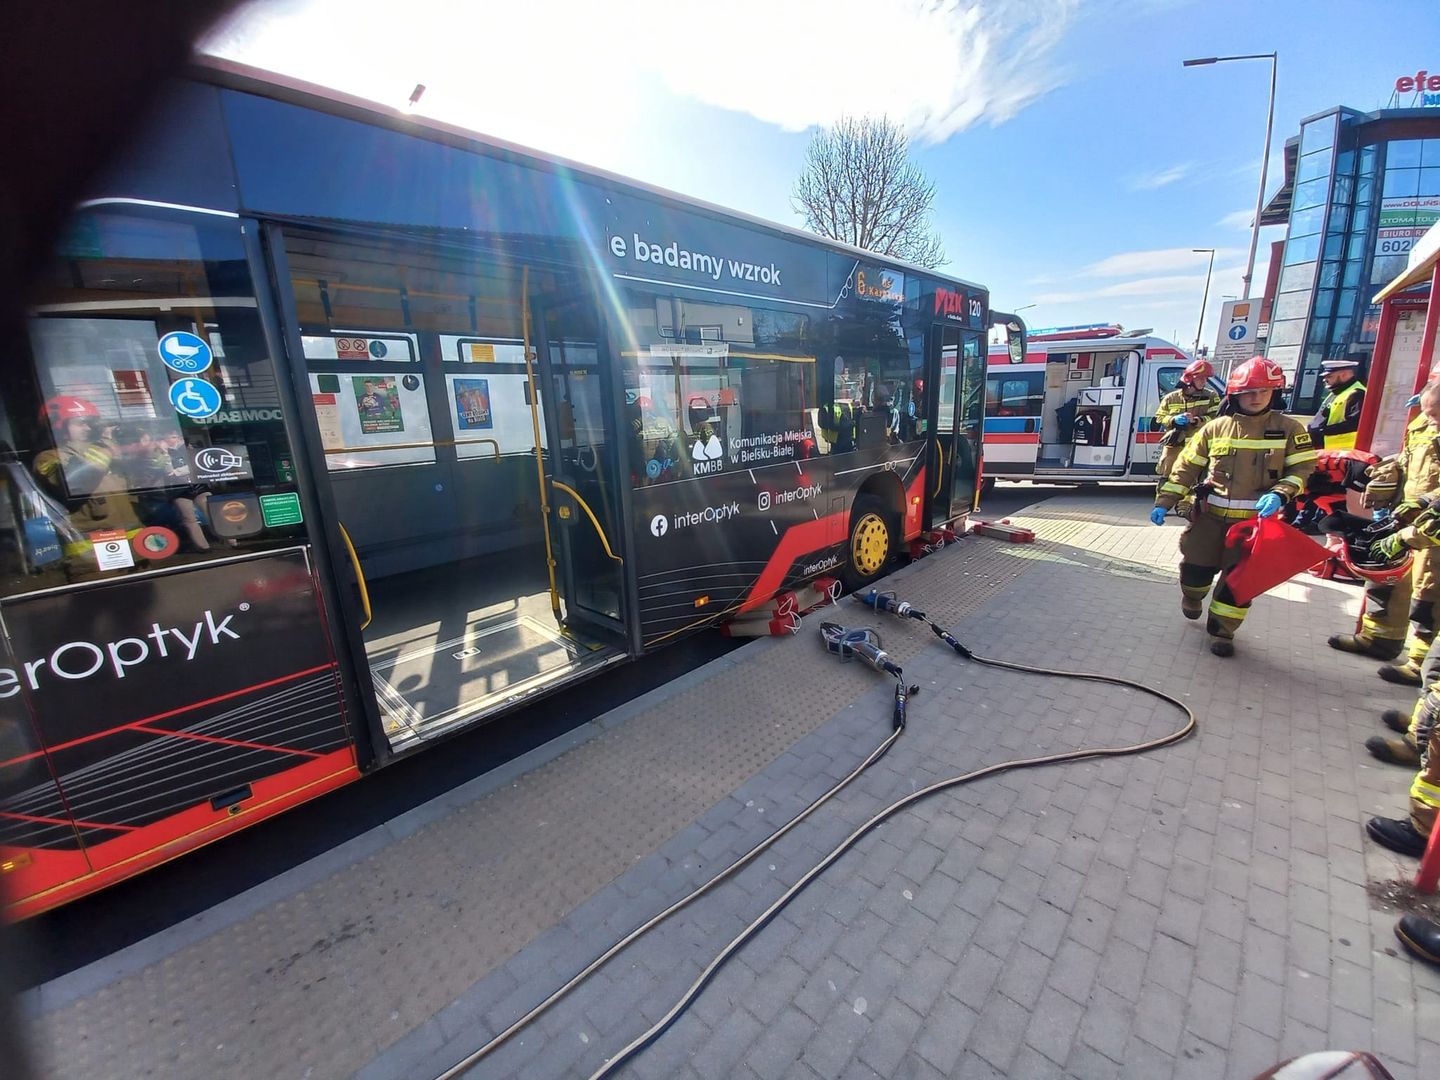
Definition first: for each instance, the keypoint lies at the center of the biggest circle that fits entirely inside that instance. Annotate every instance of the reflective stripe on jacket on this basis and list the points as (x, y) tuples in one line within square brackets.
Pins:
[(1239, 458)]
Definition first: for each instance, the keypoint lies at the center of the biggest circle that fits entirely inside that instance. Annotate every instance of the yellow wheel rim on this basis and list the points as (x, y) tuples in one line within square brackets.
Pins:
[(870, 544)]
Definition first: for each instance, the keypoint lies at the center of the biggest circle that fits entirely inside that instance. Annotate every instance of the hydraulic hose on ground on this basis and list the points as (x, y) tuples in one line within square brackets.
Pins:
[(847, 644), (862, 645), (894, 607)]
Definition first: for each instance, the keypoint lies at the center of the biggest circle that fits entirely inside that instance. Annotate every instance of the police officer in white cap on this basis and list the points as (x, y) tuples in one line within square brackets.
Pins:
[(1338, 420)]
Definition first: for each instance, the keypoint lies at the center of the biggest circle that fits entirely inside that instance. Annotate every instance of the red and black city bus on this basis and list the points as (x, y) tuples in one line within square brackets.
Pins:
[(338, 431)]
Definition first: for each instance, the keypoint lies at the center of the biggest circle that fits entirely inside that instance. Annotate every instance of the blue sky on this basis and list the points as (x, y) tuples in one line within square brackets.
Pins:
[(1076, 162)]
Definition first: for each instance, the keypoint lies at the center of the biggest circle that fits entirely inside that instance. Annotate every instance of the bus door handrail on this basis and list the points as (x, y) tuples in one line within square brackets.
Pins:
[(414, 446), (535, 426), (600, 532), (359, 575)]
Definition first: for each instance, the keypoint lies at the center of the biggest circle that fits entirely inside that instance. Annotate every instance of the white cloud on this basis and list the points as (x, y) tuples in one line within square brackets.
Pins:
[(1162, 178), (1153, 262), (570, 76), (1237, 219), (1156, 285)]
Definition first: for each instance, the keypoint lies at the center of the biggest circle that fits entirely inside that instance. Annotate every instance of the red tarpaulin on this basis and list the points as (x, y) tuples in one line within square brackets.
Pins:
[(1271, 552)]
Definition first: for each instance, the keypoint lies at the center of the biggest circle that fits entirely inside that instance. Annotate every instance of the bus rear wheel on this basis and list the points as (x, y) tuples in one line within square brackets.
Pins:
[(871, 544)]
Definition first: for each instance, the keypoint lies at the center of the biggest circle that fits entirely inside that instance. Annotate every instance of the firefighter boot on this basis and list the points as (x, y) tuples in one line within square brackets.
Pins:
[(1397, 834), (1192, 607), (1420, 936), (1393, 751), (1406, 674), (1379, 648), (1396, 720), (1222, 646)]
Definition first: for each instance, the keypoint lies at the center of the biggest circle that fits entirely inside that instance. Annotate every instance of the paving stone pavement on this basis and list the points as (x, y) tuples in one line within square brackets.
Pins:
[(1199, 911)]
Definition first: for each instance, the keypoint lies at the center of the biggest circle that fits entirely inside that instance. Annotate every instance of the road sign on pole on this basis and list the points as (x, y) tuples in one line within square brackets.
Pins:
[(1239, 329)]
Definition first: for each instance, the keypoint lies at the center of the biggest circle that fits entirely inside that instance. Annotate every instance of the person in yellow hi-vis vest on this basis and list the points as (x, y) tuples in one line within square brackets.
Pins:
[(1181, 414), (1398, 484), (1338, 420), (1245, 463)]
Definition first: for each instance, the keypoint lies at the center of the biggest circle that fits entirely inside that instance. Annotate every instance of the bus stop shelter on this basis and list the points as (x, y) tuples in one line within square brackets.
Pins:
[(1405, 348)]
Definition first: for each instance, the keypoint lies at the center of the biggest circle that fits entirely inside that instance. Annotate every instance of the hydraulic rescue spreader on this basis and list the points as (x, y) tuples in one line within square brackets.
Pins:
[(864, 645)]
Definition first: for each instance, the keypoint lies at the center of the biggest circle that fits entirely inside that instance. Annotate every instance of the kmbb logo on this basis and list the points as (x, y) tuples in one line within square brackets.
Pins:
[(659, 525), (708, 455)]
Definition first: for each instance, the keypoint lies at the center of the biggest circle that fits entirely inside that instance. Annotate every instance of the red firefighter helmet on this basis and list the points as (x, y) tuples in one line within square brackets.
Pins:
[(1257, 373), (1354, 536), (63, 407), (1197, 373), (1356, 557)]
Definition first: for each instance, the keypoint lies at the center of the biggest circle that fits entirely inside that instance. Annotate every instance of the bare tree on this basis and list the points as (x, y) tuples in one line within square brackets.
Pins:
[(860, 186)]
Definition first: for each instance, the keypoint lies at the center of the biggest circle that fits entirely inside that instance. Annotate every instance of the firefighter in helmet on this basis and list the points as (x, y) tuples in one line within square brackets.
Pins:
[(1381, 552), (1338, 420), (79, 469), (1182, 412), (1398, 484), (1420, 745), (1245, 463)]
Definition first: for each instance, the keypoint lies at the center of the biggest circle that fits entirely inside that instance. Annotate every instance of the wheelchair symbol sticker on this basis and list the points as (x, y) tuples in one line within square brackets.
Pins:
[(194, 398), (185, 352)]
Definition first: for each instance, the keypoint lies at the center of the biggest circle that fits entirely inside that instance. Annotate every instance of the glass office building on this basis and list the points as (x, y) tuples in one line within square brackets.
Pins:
[(1359, 189)]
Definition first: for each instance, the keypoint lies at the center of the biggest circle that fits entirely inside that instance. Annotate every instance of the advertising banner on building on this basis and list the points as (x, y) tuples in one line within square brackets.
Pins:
[(1402, 222)]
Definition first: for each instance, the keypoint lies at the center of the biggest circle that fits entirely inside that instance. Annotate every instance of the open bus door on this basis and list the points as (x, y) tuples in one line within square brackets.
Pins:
[(460, 430), (958, 359)]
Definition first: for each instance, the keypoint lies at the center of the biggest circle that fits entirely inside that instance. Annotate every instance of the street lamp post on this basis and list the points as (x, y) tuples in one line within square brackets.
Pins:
[(1264, 161), (1204, 299)]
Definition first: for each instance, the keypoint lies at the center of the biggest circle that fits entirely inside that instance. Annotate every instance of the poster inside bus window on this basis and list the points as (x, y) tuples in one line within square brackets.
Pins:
[(472, 405), (367, 420), (377, 400)]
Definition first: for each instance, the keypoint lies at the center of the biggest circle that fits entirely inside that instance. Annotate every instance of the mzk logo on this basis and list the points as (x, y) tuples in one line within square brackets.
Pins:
[(77, 660)]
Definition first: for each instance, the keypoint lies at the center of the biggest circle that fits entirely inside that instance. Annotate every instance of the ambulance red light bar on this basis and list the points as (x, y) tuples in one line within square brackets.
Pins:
[(1085, 330)]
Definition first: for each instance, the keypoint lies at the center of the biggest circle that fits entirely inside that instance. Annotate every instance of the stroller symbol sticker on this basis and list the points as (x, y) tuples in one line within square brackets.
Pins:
[(187, 353)]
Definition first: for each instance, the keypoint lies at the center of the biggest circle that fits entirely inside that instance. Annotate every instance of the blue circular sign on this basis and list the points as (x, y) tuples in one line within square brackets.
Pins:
[(184, 352), (1237, 331), (194, 398)]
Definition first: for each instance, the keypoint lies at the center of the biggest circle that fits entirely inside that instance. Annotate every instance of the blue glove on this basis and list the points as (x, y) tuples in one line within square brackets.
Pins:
[(1182, 420), (1157, 516), (1379, 515), (1412, 401), (1269, 504)]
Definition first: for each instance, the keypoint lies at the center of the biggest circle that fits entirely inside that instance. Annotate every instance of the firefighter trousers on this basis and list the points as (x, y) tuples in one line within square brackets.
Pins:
[(1203, 554), (1425, 734), (1168, 456), (1406, 606)]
